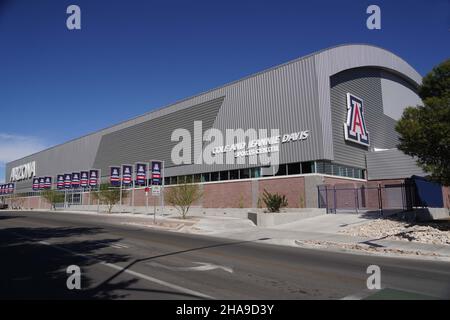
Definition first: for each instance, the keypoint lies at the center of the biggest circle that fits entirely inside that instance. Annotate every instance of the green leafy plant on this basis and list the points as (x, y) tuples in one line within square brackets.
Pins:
[(274, 201), (425, 130), (182, 197), (53, 197), (107, 195)]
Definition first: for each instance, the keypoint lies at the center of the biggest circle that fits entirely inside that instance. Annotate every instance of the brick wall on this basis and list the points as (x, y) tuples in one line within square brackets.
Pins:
[(293, 188), (242, 194), (236, 194)]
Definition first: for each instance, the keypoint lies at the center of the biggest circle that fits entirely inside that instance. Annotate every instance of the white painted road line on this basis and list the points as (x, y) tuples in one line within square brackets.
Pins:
[(158, 281), (119, 246), (201, 266), (121, 269)]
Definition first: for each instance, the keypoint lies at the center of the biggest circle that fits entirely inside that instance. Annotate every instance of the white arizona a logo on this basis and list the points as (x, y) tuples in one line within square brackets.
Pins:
[(355, 129)]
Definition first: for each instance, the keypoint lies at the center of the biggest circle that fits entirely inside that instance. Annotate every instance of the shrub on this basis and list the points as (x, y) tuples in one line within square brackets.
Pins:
[(182, 197), (107, 195), (274, 201), (53, 197)]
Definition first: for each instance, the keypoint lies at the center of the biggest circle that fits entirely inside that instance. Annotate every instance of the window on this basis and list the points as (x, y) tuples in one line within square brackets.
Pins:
[(324, 167), (307, 167), (234, 174), (281, 170), (293, 168), (223, 175), (205, 177), (244, 173), (255, 172), (214, 176)]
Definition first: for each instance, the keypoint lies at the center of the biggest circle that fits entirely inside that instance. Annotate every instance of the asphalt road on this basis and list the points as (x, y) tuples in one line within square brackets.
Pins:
[(126, 262)]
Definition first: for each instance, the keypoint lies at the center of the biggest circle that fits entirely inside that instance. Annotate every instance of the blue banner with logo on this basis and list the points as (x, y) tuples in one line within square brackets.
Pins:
[(114, 176), (141, 174), (48, 183), (41, 184), (93, 177), (67, 180), (127, 174), (60, 181), (75, 180), (35, 185), (84, 179), (156, 173)]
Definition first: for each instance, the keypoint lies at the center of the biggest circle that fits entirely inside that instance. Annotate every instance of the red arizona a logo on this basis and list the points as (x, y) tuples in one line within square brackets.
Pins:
[(355, 129)]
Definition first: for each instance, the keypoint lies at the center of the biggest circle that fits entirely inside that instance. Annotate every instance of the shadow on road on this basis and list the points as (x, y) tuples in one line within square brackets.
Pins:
[(30, 269), (9, 217)]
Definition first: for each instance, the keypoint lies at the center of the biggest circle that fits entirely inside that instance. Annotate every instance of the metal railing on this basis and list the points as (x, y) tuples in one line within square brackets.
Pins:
[(397, 197)]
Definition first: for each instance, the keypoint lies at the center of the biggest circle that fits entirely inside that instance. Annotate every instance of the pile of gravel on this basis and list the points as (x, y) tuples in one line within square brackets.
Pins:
[(361, 247), (431, 233)]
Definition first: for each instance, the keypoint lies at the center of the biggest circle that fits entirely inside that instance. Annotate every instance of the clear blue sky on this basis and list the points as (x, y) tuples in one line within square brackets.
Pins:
[(133, 56)]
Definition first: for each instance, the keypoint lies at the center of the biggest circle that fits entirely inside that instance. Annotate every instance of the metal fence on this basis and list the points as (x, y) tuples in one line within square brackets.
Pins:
[(345, 199)]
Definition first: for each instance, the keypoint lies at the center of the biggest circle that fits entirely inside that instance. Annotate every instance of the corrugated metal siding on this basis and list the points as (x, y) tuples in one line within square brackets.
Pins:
[(397, 94), (391, 164), (284, 99), (366, 84), (152, 139), (73, 156)]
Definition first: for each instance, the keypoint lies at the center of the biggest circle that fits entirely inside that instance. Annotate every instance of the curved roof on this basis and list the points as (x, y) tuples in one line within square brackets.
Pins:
[(334, 60)]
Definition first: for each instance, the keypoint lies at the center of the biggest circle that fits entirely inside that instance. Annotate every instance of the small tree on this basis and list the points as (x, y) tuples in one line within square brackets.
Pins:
[(182, 197), (274, 202), (425, 130), (53, 197), (107, 195)]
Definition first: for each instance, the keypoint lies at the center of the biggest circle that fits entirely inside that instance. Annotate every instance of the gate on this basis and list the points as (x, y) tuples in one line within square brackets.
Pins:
[(348, 199)]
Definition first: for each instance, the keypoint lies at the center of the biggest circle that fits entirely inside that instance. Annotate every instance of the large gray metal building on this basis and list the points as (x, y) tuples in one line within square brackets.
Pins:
[(307, 94)]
